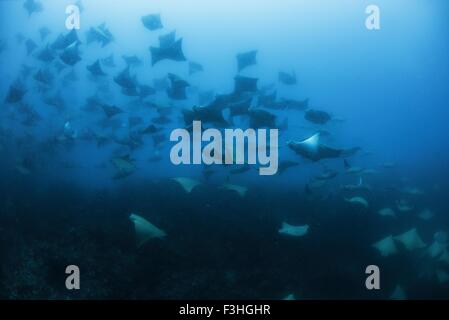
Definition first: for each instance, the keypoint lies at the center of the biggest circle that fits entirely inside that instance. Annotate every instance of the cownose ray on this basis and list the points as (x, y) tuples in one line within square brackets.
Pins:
[(259, 118), (205, 114), (442, 276), (71, 55), (111, 110), (398, 293), (195, 67), (327, 174), (171, 52), (44, 76), (246, 59), (241, 190), (16, 92), (145, 230), (413, 191), (125, 80), (124, 166), (441, 236), (312, 149), (288, 79), (152, 22), (317, 116), (290, 296), (132, 61), (109, 61), (268, 100), (294, 231), (352, 169), (100, 34), (44, 32), (444, 257), (30, 46), (386, 212), (240, 107), (358, 201), (177, 89), (426, 214), (436, 249), (32, 6), (46, 54), (245, 85), (410, 239), (63, 41), (404, 206), (286, 164), (439, 245), (292, 104), (95, 69), (386, 246), (187, 184), (166, 40)]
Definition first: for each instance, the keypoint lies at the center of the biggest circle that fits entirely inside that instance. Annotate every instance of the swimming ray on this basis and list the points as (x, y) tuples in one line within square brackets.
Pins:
[(187, 184), (30, 46), (100, 34), (426, 214), (442, 276), (411, 240), (317, 116), (294, 231), (177, 89), (168, 39), (111, 110), (244, 85), (16, 92), (172, 52), (444, 257), (32, 6), (358, 201), (312, 149), (95, 69), (386, 246), (152, 22), (44, 32), (398, 294), (46, 54), (404, 206), (246, 59), (386, 212), (241, 190), (195, 67), (436, 249), (286, 164), (145, 230), (288, 79), (71, 55)]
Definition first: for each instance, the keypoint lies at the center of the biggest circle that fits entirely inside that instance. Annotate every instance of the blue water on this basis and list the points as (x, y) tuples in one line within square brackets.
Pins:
[(386, 91)]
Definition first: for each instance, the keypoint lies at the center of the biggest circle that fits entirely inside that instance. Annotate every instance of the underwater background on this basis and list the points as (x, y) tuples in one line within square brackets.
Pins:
[(86, 116)]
